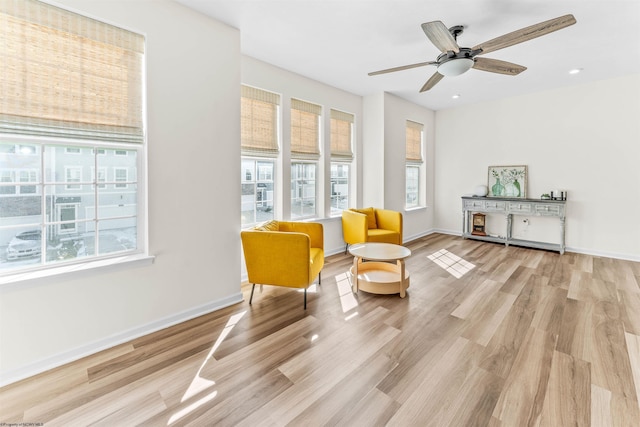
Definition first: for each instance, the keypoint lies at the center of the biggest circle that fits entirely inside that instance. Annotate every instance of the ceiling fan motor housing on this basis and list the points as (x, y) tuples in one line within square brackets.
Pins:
[(452, 63)]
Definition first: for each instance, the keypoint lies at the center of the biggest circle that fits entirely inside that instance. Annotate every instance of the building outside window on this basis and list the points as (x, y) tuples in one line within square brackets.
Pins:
[(260, 149), (257, 190), (303, 190), (54, 208), (341, 159), (413, 166), (305, 152)]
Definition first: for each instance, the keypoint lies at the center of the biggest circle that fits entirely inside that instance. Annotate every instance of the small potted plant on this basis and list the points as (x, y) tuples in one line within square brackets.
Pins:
[(545, 196)]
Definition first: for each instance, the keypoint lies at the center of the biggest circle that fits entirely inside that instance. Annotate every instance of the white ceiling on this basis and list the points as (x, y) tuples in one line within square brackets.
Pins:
[(338, 42)]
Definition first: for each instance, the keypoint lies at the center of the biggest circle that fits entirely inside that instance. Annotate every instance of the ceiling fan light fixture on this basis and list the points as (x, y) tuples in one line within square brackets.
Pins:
[(455, 67)]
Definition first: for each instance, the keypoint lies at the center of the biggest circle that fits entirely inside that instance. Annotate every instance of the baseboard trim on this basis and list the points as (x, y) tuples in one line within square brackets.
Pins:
[(57, 360), (583, 251)]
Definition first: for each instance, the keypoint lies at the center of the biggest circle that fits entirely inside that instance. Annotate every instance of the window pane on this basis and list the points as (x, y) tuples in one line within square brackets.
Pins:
[(257, 204), (339, 187), (117, 235), (303, 190), (412, 186), (68, 207), (66, 242)]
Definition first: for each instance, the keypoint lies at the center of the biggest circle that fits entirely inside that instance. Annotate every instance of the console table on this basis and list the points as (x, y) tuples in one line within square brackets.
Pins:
[(510, 207)]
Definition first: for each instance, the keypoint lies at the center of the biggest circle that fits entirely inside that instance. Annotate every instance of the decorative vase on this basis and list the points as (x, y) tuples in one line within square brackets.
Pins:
[(497, 189)]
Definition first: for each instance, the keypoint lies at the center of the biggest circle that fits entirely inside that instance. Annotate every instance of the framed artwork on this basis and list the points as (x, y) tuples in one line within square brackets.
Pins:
[(507, 181)]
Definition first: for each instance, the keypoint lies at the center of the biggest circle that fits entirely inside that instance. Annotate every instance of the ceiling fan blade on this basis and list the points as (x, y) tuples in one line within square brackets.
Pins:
[(440, 36), (497, 66), (404, 67), (432, 82), (527, 33)]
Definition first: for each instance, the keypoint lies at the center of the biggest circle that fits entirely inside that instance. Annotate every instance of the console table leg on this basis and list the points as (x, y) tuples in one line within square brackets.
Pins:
[(562, 236)]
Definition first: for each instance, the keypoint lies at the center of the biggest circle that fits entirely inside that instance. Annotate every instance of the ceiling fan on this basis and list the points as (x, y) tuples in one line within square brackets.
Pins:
[(455, 60)]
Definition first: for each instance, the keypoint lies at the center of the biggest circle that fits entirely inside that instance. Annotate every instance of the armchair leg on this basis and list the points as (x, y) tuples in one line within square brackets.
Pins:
[(320, 278), (252, 289), (346, 249), (305, 298)]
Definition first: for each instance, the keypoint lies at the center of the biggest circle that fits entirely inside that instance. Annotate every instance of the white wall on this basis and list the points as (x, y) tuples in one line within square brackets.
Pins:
[(193, 82), (585, 139), (397, 111)]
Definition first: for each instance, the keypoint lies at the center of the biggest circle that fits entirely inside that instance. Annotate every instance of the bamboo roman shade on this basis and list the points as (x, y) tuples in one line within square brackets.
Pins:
[(66, 75), (259, 122), (341, 135), (305, 129), (414, 142)]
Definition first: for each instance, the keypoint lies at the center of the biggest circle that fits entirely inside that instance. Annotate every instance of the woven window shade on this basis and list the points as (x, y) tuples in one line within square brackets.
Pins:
[(305, 129), (414, 142), (66, 75), (341, 133), (259, 122)]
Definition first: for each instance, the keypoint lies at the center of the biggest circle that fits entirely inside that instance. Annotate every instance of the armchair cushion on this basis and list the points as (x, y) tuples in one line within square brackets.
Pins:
[(371, 216), (268, 226)]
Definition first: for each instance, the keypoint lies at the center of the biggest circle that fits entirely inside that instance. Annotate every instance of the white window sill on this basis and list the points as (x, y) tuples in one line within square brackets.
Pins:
[(416, 208), (72, 270)]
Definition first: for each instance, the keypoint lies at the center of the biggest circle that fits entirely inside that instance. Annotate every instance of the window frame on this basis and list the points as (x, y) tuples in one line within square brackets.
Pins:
[(292, 188), (255, 181), (414, 160), (129, 136)]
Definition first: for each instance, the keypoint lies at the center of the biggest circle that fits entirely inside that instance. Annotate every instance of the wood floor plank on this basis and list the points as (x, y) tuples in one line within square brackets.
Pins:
[(568, 397), (524, 392), (429, 404), (630, 311), (525, 337), (633, 347), (339, 402), (610, 365)]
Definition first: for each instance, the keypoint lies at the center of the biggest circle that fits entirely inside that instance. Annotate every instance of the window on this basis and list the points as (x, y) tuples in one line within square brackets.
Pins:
[(341, 158), (257, 190), (66, 77), (259, 145), (414, 137), (102, 175), (73, 174), (305, 151), (121, 177), (303, 190)]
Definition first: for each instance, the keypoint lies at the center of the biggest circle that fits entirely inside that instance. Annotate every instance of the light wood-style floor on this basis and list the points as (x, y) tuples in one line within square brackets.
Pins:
[(503, 337)]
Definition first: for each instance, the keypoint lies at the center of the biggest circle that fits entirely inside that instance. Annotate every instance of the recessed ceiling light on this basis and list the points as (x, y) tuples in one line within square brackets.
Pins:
[(575, 71), (456, 96)]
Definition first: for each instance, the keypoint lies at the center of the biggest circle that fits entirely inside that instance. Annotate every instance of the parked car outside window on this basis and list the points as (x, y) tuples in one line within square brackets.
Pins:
[(25, 245)]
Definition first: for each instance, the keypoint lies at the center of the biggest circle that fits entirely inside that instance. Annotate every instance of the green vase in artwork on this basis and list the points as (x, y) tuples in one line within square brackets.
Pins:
[(517, 185), (497, 189)]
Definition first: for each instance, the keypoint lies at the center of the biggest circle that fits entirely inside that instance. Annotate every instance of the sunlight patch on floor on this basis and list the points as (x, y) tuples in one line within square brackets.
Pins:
[(199, 384), (312, 289), (347, 299), (452, 263), (195, 405)]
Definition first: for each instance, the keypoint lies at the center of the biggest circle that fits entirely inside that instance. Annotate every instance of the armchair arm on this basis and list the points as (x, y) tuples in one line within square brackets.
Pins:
[(354, 227), (389, 220), (277, 257), (314, 230)]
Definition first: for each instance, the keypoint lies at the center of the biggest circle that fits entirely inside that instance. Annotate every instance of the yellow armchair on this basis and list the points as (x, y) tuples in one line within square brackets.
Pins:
[(371, 225), (282, 253)]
